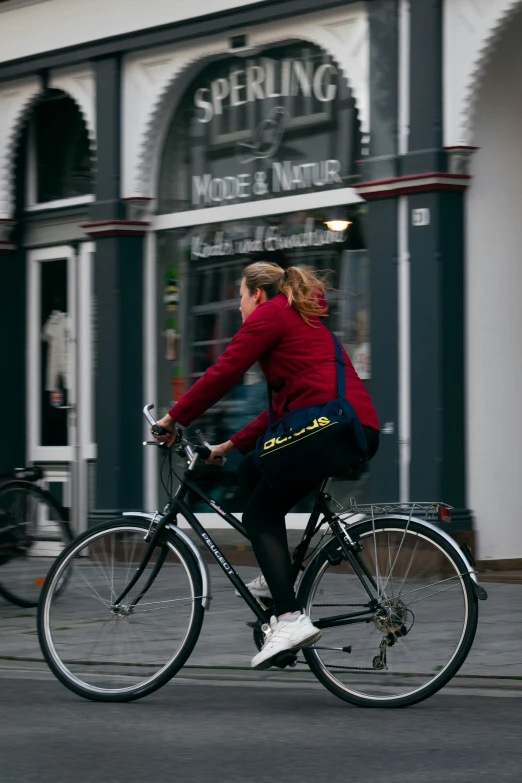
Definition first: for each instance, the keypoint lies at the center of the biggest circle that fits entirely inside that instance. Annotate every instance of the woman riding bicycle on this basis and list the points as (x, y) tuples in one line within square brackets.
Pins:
[(282, 331)]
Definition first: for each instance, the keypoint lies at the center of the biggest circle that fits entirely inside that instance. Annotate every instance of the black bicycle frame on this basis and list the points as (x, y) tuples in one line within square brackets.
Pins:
[(177, 505)]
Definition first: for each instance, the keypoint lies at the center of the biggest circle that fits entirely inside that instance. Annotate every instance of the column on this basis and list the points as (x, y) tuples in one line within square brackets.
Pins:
[(13, 314), (436, 245), (119, 314), (381, 228)]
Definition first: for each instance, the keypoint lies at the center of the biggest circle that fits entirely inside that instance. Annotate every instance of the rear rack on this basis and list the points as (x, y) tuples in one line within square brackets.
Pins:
[(425, 509)]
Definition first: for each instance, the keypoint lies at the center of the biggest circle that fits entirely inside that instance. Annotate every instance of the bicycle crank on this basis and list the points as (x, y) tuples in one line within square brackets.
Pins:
[(283, 659)]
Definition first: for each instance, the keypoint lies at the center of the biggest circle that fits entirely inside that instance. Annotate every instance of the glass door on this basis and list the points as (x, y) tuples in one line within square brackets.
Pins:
[(60, 368)]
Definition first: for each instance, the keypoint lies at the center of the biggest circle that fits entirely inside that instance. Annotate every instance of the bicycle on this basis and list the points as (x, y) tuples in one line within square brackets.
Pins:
[(395, 597), (33, 526)]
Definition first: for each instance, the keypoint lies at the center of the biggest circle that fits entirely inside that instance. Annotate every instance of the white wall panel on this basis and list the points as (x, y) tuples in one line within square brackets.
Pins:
[(43, 25), (494, 306), (15, 101), (472, 30)]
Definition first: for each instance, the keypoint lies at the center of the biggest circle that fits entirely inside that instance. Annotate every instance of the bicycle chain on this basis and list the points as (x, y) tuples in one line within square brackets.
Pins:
[(348, 668), (364, 606)]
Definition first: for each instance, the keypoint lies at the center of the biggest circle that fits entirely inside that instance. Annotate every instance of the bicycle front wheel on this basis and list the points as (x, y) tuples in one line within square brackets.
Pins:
[(34, 533), (108, 652), (402, 637)]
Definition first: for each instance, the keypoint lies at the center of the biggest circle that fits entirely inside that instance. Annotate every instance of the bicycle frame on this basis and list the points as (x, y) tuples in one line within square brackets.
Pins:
[(177, 505)]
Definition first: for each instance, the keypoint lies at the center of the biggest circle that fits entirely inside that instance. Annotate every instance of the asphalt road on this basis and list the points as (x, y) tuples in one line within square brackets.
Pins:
[(239, 728)]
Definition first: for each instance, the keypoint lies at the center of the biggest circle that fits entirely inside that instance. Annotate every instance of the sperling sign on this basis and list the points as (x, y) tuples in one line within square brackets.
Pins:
[(260, 128), (258, 82)]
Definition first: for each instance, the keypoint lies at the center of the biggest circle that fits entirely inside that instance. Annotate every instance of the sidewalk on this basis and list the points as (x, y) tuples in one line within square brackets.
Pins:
[(227, 642)]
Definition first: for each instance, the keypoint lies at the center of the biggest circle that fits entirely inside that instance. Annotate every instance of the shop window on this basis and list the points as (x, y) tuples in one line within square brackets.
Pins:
[(204, 266), (59, 162)]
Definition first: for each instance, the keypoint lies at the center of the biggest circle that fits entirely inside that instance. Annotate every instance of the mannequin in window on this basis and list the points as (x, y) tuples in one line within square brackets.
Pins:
[(56, 332)]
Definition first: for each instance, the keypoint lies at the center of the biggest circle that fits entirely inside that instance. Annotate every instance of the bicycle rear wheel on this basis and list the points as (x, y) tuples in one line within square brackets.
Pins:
[(108, 653), (34, 532), (416, 636)]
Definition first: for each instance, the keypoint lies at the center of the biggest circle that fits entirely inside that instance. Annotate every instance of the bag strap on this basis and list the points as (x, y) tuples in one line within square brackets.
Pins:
[(340, 364)]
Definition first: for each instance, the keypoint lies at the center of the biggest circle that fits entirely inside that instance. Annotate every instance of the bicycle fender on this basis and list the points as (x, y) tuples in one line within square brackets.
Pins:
[(203, 567), (461, 555)]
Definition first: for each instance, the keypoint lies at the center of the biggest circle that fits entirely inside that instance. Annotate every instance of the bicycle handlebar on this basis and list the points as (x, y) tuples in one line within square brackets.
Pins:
[(191, 450)]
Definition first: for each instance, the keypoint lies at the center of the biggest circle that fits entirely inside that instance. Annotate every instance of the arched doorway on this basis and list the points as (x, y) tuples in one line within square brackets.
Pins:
[(493, 302)]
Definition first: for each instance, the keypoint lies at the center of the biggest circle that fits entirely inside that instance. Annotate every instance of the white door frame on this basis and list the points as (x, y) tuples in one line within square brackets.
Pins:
[(79, 311)]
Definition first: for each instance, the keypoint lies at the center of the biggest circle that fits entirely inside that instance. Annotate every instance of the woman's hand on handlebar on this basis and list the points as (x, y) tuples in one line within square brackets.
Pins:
[(167, 423), (218, 452)]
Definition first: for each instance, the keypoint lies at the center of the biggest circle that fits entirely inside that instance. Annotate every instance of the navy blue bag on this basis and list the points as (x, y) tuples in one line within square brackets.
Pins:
[(310, 444)]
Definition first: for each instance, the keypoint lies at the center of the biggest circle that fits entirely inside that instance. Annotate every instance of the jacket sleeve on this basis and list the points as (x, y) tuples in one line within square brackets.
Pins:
[(245, 439), (257, 335)]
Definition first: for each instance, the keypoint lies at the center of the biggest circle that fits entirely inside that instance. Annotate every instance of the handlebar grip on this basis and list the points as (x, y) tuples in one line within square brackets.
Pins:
[(157, 430), (204, 452)]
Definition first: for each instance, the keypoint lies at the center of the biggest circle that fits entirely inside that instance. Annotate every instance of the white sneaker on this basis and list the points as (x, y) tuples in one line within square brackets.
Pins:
[(258, 587), (283, 635)]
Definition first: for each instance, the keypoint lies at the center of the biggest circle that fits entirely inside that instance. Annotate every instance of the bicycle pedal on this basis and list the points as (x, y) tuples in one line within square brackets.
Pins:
[(285, 659)]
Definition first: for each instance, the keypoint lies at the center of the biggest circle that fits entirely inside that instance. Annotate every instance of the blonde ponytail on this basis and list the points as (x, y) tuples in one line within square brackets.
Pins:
[(303, 286)]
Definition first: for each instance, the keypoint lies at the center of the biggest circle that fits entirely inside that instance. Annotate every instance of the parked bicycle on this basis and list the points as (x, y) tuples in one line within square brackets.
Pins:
[(395, 598), (33, 530)]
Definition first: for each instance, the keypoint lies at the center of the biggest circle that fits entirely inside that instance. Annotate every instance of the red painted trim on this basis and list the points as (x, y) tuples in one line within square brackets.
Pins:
[(462, 147), (410, 177), (413, 189)]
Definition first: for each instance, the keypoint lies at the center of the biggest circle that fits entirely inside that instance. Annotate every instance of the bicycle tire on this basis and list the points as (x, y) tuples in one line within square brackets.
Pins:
[(363, 532), (21, 595), (62, 669)]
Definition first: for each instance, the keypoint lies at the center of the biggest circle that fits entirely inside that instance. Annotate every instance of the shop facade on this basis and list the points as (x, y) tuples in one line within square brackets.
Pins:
[(267, 130)]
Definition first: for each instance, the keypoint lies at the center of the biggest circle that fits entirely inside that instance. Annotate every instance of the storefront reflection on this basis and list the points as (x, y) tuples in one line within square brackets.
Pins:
[(199, 271)]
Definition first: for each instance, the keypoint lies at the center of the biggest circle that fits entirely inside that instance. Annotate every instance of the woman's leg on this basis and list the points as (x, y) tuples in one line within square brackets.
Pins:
[(264, 520), (248, 477)]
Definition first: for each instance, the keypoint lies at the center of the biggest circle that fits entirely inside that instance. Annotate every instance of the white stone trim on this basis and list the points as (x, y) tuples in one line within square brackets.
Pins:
[(16, 99), (154, 81), (61, 203), (252, 209), (472, 31)]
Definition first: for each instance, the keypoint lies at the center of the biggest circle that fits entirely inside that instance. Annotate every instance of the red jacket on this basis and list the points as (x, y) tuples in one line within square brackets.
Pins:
[(297, 360)]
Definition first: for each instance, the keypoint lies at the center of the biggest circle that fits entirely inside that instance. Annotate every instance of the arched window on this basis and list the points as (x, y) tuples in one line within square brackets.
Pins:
[(59, 156), (264, 126)]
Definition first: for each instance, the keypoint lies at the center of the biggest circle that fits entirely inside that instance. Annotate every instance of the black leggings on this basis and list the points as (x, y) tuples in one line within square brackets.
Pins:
[(264, 515)]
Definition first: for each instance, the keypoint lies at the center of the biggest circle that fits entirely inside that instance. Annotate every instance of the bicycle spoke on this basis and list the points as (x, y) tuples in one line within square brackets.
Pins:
[(407, 640), (90, 639)]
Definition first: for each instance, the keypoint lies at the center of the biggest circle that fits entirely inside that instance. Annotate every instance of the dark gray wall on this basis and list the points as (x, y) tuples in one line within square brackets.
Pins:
[(437, 350), (384, 53), (425, 141)]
